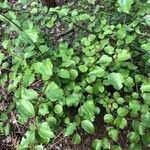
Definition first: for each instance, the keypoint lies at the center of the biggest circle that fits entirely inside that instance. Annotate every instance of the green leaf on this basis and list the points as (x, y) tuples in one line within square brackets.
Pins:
[(135, 105), (77, 138), (53, 92), (146, 139), (58, 109), (45, 132), (108, 118), (97, 144), (87, 126), (125, 5), (26, 108), (28, 94), (91, 1), (32, 34), (123, 55), (43, 48), (88, 110), (122, 111), (43, 109), (63, 73), (26, 140), (72, 100), (70, 129), (116, 79), (97, 71), (113, 133), (73, 74), (120, 122), (121, 33), (133, 137), (146, 46), (28, 77), (145, 87), (44, 68)]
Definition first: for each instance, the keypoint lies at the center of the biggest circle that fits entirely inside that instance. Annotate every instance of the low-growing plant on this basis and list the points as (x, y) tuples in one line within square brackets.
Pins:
[(62, 68)]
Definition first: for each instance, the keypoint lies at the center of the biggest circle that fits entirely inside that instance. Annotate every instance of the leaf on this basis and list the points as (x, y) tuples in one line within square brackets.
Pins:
[(135, 105), (125, 5), (87, 126), (116, 79), (26, 108), (44, 68), (122, 111), (145, 87), (43, 109), (73, 74), (97, 144), (63, 73), (133, 137), (53, 92), (88, 110), (70, 129), (58, 109), (27, 140), (28, 94), (1, 57), (108, 118), (91, 1), (113, 133), (98, 72), (28, 77), (43, 48), (120, 122), (45, 132), (146, 46), (146, 139), (32, 34), (121, 33), (77, 138), (72, 100), (123, 55)]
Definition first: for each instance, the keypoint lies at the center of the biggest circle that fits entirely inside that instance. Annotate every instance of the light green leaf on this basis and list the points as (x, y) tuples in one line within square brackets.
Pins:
[(53, 92), (45, 132), (63, 73), (116, 79), (44, 68), (72, 100), (113, 133), (145, 87), (26, 108), (97, 144), (28, 94), (32, 34), (87, 126), (77, 138), (70, 129), (97, 71), (27, 140), (108, 118), (123, 55), (91, 1), (125, 5)]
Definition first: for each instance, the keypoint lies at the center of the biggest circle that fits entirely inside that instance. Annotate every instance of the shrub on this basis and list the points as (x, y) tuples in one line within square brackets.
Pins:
[(87, 57)]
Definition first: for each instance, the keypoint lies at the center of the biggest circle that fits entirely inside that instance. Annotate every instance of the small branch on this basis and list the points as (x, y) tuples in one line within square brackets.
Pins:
[(11, 21), (36, 47)]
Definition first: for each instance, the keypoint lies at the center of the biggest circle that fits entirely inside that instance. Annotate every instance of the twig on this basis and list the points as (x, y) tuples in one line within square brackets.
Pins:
[(11, 21), (36, 47)]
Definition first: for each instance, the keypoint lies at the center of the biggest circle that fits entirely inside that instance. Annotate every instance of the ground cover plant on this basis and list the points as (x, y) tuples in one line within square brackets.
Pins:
[(79, 69)]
